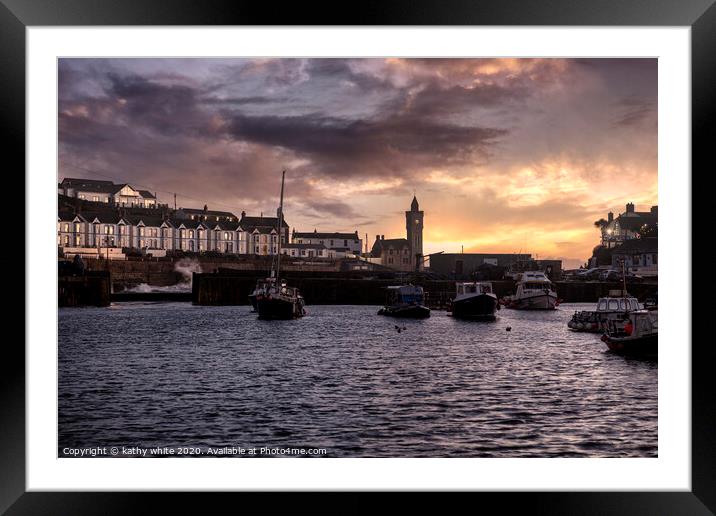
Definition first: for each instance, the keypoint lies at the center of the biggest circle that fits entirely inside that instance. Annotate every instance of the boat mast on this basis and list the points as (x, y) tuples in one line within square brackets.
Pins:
[(280, 230), (624, 292)]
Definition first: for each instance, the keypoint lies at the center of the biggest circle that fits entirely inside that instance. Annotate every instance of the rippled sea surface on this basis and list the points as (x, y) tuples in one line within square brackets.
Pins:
[(344, 379)]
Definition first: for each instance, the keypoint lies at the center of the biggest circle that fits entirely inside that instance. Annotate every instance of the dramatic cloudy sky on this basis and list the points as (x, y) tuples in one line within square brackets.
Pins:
[(505, 155)]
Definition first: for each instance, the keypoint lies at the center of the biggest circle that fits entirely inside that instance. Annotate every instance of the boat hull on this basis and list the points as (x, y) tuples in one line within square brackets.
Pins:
[(477, 308), (535, 302), (406, 312), (271, 308), (646, 345)]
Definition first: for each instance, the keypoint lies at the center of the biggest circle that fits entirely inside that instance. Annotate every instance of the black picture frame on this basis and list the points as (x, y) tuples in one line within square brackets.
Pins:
[(17, 15)]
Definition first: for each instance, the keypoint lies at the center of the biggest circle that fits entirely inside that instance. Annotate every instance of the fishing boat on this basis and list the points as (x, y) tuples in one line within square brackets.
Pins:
[(533, 292), (261, 288), (618, 302), (637, 336), (277, 300), (474, 300), (405, 301)]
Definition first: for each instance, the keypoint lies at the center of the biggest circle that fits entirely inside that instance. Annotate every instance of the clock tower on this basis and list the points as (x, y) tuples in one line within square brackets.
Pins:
[(414, 229)]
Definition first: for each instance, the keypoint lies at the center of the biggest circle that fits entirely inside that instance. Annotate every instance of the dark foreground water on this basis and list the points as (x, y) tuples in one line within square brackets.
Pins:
[(344, 380)]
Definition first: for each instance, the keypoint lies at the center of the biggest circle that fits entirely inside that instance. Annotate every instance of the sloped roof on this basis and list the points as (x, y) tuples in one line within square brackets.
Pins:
[(258, 222), (147, 194), (208, 213), (635, 223), (637, 246), (381, 244), (336, 235)]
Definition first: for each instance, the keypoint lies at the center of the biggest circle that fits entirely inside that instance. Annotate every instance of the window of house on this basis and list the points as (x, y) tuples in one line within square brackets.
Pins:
[(67, 228), (95, 198), (345, 243)]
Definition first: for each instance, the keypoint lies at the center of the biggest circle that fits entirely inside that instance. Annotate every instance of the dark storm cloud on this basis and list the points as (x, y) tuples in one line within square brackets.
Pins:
[(348, 147)]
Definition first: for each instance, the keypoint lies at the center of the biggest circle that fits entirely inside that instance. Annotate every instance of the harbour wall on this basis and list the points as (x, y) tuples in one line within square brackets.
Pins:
[(234, 289), (163, 272), (91, 289)]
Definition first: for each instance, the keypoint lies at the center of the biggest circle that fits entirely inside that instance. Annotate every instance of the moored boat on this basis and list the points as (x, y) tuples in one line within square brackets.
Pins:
[(405, 301), (261, 288), (618, 302), (277, 300), (533, 292), (474, 300), (638, 336)]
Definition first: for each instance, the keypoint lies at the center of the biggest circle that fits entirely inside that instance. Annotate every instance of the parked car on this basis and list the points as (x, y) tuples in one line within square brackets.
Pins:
[(616, 275)]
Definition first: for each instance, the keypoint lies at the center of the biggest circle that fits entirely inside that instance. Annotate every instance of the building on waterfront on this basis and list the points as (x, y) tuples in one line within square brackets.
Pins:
[(307, 250), (262, 234), (463, 265), (639, 256), (94, 190), (403, 254), (392, 252), (627, 226), (346, 243)]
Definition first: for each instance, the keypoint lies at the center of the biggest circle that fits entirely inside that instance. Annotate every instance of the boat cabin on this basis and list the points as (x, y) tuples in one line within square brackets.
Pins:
[(643, 322), (620, 304), (533, 280), (473, 288), (405, 294)]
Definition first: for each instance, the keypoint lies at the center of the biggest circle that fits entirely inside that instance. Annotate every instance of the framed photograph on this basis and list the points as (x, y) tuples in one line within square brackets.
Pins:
[(413, 250)]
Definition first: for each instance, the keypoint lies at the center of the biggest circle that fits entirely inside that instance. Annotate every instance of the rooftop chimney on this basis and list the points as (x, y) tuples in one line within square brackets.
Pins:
[(654, 210), (630, 207), (382, 237), (243, 214), (610, 216), (206, 208), (377, 237)]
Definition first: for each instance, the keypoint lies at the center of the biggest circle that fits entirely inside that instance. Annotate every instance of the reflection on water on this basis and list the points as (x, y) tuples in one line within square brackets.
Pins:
[(343, 378)]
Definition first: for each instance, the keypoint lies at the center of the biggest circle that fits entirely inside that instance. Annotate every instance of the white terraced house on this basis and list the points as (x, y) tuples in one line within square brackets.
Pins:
[(343, 242), (155, 232)]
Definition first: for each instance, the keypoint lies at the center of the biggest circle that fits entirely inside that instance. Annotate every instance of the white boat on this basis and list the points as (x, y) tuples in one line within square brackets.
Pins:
[(634, 333), (533, 292), (474, 300), (618, 302)]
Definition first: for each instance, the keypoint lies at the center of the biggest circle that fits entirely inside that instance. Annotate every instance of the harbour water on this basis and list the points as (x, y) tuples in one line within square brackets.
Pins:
[(347, 381)]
